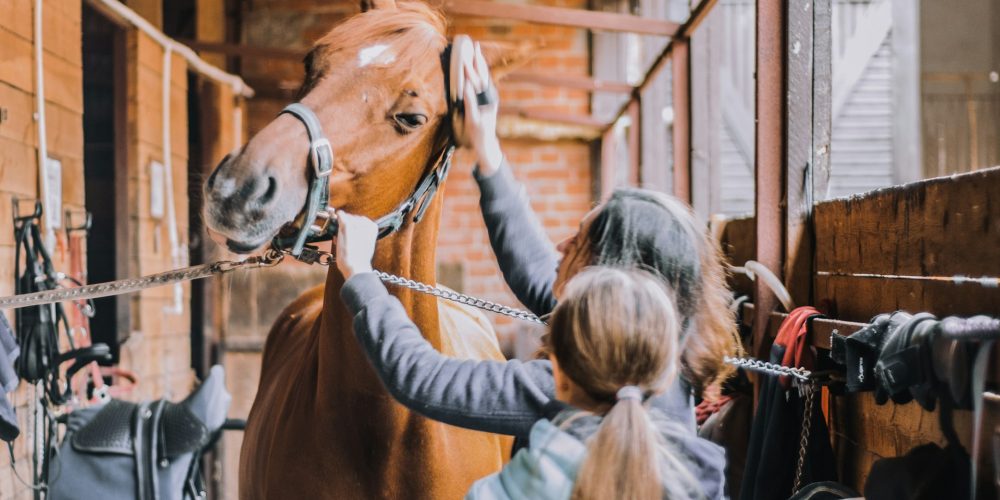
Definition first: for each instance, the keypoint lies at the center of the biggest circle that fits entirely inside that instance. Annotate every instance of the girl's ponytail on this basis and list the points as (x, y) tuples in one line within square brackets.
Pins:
[(615, 335), (621, 457)]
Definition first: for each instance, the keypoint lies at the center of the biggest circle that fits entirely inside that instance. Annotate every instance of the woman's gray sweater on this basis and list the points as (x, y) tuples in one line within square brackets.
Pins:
[(503, 397)]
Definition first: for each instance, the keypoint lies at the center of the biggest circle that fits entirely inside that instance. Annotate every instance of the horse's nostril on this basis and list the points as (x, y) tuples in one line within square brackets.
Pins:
[(272, 188)]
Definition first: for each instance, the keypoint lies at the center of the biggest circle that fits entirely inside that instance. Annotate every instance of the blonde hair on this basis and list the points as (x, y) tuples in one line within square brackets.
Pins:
[(615, 328)]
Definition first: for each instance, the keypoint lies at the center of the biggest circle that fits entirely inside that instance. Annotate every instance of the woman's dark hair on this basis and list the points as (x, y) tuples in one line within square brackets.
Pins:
[(654, 231)]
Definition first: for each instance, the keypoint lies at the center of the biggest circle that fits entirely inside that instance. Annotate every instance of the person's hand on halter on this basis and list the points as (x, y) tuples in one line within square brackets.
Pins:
[(481, 120), (356, 236)]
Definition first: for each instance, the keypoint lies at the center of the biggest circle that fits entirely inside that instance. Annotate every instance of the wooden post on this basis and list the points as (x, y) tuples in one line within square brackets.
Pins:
[(210, 17), (681, 67), (634, 145), (907, 143), (798, 149), (769, 158), (151, 10)]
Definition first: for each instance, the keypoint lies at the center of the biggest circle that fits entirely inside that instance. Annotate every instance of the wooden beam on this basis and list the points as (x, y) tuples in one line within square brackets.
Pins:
[(798, 121), (680, 57), (579, 82), (561, 16), (210, 25)]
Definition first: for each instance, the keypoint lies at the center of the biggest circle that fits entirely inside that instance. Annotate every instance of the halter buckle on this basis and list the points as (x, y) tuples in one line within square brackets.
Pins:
[(315, 156)]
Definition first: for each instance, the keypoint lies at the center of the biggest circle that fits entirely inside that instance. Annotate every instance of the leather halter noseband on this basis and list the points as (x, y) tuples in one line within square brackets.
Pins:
[(321, 158)]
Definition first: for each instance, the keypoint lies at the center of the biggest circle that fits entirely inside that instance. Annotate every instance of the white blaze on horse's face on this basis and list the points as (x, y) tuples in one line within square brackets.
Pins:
[(379, 55)]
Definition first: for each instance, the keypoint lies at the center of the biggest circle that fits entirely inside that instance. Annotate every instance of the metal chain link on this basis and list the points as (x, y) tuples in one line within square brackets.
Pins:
[(809, 391), (315, 256), (129, 285), (757, 365), (461, 298)]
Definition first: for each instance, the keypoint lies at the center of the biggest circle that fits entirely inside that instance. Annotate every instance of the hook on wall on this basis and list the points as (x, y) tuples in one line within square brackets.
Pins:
[(753, 269), (72, 218)]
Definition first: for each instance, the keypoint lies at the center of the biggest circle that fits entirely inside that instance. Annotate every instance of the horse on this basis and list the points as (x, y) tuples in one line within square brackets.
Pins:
[(322, 425)]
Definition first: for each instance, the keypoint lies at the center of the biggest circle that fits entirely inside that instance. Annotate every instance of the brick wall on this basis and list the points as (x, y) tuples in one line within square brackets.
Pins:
[(557, 174)]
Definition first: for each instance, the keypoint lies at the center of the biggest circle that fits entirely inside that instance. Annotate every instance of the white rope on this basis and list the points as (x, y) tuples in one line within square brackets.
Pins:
[(177, 307), (43, 147)]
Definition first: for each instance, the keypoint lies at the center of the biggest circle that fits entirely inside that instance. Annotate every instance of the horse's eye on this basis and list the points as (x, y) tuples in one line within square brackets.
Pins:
[(410, 121)]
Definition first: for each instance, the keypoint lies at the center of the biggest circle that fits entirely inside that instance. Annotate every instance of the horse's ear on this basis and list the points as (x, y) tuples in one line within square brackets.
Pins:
[(504, 57), (367, 5)]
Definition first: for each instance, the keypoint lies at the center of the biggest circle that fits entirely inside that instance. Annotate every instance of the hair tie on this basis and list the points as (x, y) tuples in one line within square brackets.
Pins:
[(629, 392)]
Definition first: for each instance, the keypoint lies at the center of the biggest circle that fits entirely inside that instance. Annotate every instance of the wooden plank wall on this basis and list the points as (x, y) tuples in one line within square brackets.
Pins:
[(940, 227), (159, 348), (18, 149), (943, 227)]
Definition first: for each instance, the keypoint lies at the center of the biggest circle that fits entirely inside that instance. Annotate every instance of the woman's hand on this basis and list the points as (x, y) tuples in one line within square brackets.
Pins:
[(481, 120), (356, 236)]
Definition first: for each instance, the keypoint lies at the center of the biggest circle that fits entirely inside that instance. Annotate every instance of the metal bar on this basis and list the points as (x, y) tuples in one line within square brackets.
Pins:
[(684, 32), (245, 50), (561, 16), (681, 67), (607, 162), (580, 82), (769, 168), (551, 116), (635, 143)]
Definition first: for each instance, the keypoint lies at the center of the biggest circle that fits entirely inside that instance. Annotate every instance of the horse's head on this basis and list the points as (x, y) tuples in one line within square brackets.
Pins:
[(376, 84)]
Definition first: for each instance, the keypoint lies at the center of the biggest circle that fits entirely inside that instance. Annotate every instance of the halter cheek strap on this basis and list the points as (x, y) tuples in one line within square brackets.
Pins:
[(321, 161)]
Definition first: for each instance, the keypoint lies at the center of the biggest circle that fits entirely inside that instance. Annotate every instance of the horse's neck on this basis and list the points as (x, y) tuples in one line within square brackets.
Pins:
[(409, 253)]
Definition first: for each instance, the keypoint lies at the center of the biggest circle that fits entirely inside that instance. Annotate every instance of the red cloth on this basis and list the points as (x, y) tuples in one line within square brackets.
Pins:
[(708, 408), (793, 335)]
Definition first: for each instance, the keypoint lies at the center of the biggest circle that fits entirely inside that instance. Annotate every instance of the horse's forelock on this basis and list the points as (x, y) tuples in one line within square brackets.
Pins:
[(412, 28)]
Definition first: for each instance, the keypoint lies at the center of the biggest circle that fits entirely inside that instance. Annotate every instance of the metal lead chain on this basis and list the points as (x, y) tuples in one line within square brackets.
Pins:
[(756, 365), (461, 298), (129, 285), (311, 255), (810, 390)]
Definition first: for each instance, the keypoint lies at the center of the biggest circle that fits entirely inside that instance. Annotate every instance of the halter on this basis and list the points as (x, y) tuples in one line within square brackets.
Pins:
[(316, 222)]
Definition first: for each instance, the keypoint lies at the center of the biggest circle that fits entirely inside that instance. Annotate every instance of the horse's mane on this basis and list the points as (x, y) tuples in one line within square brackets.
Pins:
[(413, 29)]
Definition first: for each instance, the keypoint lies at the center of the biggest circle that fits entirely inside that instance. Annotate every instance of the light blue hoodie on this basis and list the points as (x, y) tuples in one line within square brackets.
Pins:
[(547, 469)]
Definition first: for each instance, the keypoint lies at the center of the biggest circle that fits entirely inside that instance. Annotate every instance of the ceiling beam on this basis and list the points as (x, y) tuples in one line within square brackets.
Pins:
[(560, 16), (578, 82)]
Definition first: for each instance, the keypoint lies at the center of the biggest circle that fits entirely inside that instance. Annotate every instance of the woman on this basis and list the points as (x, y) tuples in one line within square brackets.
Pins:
[(614, 341), (634, 228)]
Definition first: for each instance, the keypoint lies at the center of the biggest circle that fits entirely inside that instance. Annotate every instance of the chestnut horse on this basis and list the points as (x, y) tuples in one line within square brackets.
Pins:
[(322, 425)]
